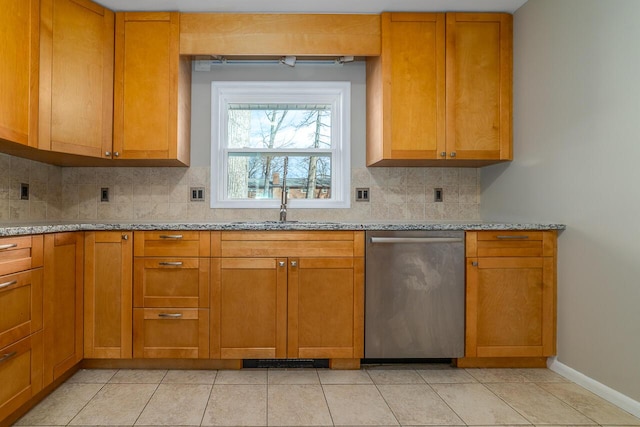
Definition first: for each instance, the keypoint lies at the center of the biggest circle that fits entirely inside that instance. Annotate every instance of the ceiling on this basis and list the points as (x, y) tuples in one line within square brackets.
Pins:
[(315, 6)]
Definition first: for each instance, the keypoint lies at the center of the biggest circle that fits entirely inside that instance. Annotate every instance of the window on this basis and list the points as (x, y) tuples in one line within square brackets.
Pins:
[(266, 134)]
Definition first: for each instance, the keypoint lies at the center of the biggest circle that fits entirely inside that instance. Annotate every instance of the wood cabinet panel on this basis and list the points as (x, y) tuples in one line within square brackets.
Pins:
[(171, 282), (262, 34), (63, 302), (19, 50), (479, 85), (108, 295), (251, 299), (172, 244), (152, 93), (20, 373), (406, 90), (171, 333), (324, 316), (20, 305), (20, 253), (76, 89)]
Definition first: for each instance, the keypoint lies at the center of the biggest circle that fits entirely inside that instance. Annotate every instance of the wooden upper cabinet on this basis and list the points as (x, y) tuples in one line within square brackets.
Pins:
[(152, 93), (479, 85), (406, 90), (19, 41), (76, 78), (440, 92)]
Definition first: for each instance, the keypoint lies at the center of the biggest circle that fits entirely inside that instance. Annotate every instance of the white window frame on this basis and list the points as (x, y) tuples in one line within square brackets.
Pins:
[(338, 94)]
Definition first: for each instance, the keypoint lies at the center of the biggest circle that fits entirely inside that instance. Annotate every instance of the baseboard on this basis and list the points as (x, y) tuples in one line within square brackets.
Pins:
[(605, 392)]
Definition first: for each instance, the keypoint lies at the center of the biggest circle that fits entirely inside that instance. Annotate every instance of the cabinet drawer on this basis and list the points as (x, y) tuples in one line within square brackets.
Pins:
[(20, 305), (20, 373), (510, 244), (171, 282), (171, 333), (20, 253), (172, 243)]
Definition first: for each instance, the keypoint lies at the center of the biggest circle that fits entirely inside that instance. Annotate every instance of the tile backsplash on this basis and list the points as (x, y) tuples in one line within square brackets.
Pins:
[(162, 194)]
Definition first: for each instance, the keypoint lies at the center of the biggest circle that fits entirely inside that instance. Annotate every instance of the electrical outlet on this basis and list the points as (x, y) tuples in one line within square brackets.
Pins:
[(24, 191), (438, 195), (362, 194), (196, 194), (104, 194)]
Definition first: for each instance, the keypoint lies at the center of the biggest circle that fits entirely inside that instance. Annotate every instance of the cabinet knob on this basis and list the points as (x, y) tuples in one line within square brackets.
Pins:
[(474, 263), (294, 263), (107, 153), (453, 154), (125, 237), (281, 263), (443, 154), (116, 154)]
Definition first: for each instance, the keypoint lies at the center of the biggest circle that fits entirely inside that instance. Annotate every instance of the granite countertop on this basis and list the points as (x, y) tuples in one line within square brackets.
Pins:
[(40, 228)]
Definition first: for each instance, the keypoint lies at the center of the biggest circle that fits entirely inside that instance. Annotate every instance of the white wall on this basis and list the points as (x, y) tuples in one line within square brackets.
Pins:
[(577, 161)]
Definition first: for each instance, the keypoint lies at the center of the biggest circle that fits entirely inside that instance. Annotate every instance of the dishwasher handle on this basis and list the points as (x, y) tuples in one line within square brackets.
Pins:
[(416, 239)]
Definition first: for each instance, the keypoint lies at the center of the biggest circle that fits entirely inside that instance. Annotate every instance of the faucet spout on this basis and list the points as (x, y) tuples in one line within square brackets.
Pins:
[(284, 192)]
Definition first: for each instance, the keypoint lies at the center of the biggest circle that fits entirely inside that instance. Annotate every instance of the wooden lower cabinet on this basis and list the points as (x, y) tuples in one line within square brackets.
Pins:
[(171, 333), (274, 304), (63, 303), (326, 316), (250, 300), (20, 305), (511, 295), (171, 282), (108, 295), (20, 373)]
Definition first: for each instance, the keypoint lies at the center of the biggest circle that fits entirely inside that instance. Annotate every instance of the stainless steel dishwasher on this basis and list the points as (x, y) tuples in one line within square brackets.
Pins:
[(414, 294)]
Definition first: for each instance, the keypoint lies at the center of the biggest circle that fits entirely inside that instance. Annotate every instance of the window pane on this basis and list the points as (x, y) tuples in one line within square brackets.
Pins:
[(260, 176), (279, 126)]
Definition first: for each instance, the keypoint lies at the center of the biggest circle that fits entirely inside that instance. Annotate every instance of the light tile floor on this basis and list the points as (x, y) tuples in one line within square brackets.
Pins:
[(407, 395)]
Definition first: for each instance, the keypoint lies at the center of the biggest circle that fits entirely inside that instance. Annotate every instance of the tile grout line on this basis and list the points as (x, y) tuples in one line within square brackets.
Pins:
[(208, 399), (442, 399), (385, 400), (150, 397), (565, 403), (92, 397)]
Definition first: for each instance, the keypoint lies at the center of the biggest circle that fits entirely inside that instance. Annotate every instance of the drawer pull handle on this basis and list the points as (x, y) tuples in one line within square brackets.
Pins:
[(171, 236), (7, 356), (512, 237), (170, 263), (7, 284), (8, 246), (170, 315), (474, 263)]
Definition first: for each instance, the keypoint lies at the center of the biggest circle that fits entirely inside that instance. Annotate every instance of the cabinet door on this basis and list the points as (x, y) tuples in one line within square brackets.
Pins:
[(19, 41), (171, 333), (152, 89), (76, 84), (406, 90), (479, 85), (326, 308), (63, 275), (510, 307), (108, 295), (250, 298), (20, 373)]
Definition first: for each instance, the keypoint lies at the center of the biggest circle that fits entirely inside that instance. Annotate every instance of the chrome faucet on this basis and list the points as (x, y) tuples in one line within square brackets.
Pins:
[(283, 193)]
